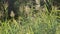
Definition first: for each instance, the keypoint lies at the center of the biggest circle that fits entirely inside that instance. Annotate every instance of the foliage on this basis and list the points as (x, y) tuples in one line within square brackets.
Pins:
[(31, 20)]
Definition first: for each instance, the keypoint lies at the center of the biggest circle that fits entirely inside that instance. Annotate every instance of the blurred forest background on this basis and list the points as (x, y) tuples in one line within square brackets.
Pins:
[(35, 17)]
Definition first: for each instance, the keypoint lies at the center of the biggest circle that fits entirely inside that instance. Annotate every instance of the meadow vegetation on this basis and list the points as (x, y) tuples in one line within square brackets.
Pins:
[(33, 19)]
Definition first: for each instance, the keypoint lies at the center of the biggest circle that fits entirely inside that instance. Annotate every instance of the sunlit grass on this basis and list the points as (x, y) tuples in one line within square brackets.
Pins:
[(40, 22)]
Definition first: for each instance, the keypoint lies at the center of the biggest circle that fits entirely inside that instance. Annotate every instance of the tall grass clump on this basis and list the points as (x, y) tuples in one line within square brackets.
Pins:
[(33, 21)]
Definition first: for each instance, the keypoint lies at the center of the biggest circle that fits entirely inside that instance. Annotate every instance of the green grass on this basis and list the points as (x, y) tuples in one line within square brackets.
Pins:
[(35, 23)]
